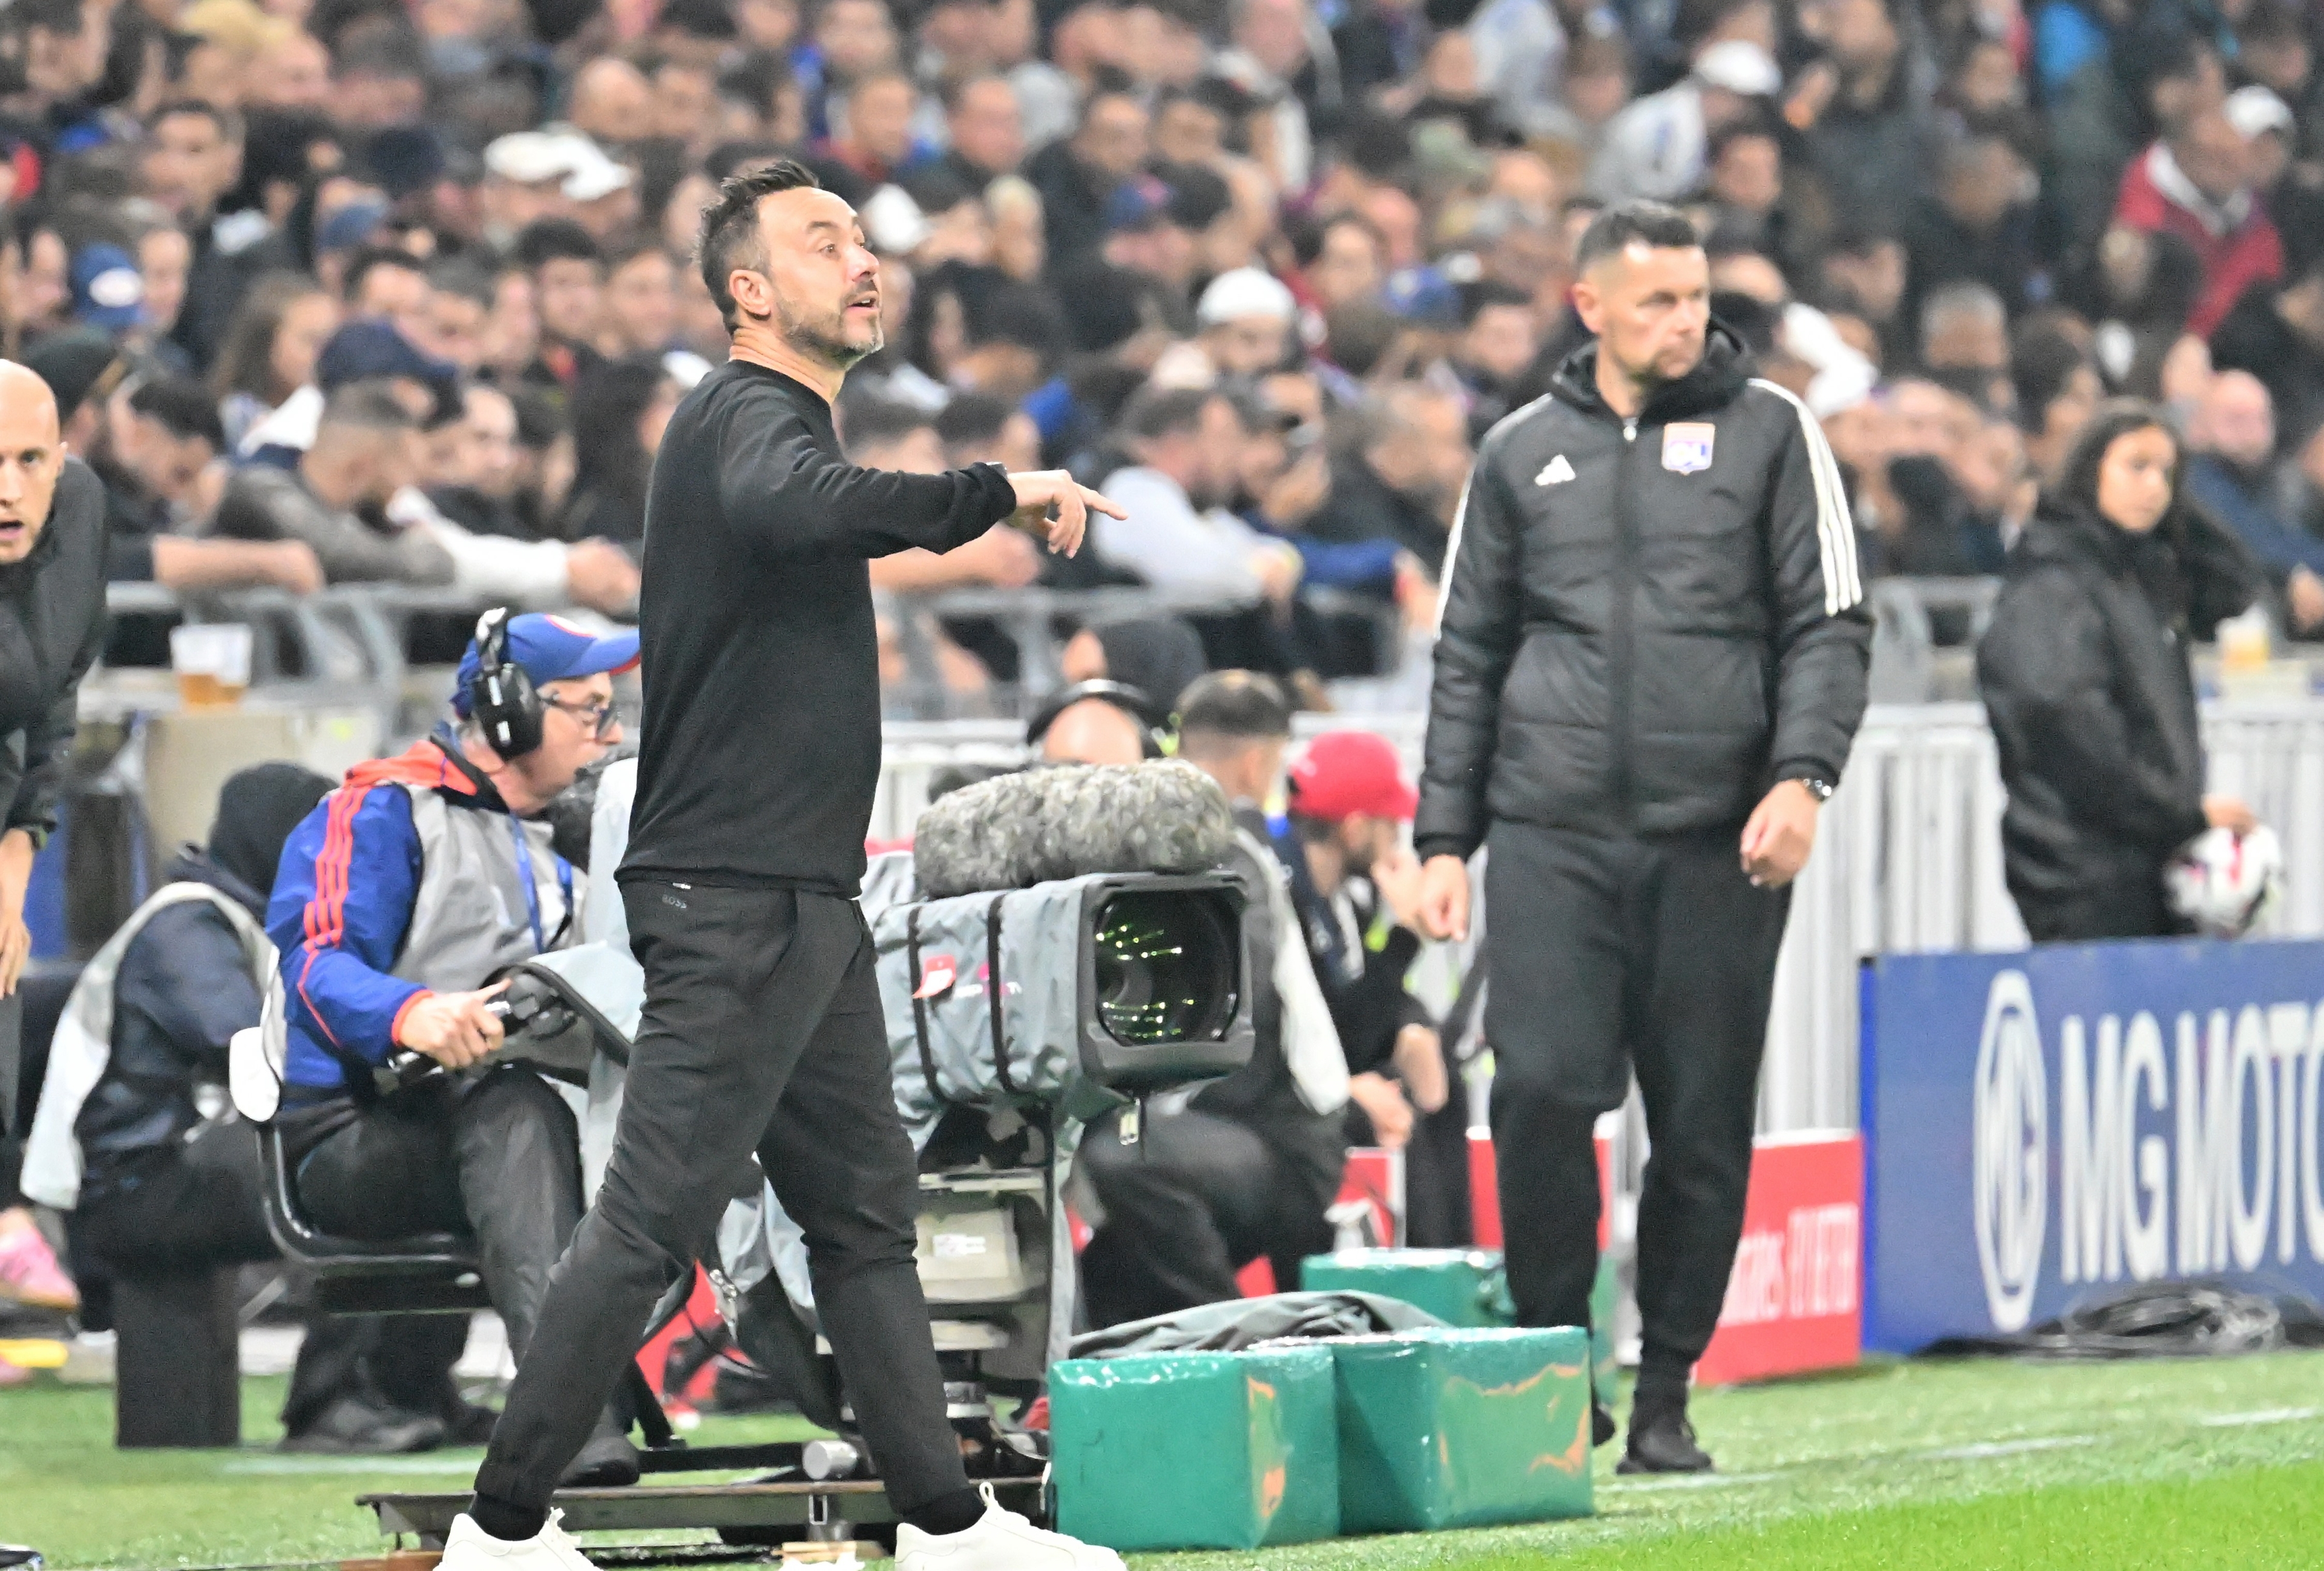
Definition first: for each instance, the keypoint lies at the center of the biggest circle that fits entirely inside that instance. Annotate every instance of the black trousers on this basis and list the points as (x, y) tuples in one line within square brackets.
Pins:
[(1199, 1196), (1609, 956), (196, 1205), (761, 1031), (498, 1157)]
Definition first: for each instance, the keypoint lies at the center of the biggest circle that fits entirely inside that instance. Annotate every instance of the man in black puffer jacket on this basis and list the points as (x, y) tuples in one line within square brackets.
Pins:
[(1653, 641), (52, 546)]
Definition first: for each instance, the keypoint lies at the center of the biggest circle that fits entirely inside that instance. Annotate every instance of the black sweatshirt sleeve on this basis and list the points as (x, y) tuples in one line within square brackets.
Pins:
[(780, 488)]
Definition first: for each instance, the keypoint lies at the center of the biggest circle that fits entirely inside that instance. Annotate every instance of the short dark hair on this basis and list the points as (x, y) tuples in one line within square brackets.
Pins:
[(380, 46), (546, 240), (1638, 221), (228, 122), (372, 405), (372, 258), (1165, 411), (1240, 706), (730, 226), (182, 407), (464, 278), (878, 422), (973, 420)]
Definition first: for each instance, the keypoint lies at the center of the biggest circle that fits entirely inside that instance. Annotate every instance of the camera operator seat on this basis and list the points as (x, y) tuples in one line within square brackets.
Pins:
[(427, 1273), (551, 1026)]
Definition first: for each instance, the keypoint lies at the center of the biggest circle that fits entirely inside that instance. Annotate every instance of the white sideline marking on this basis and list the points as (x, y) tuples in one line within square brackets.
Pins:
[(1688, 1480), (273, 1466), (2265, 1416), (1978, 1453)]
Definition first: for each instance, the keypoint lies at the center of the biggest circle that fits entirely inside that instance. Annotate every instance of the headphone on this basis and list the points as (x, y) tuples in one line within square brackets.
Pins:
[(501, 697), (1156, 731)]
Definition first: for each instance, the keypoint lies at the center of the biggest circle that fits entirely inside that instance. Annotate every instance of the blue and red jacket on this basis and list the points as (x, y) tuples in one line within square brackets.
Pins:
[(342, 905)]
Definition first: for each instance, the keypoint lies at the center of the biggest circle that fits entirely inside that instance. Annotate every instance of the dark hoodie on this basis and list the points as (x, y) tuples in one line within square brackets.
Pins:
[(1646, 622), (184, 987)]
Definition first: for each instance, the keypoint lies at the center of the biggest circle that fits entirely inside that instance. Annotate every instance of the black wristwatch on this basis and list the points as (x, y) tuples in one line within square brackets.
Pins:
[(1819, 789)]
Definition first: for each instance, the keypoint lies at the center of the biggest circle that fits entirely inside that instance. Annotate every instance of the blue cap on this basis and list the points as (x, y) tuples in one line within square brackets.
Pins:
[(361, 351), (108, 292), (551, 649)]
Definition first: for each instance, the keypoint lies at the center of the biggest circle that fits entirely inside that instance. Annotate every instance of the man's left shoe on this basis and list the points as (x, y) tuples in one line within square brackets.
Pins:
[(469, 1548), (1002, 1540), (1662, 1440), (471, 1425), (608, 1461)]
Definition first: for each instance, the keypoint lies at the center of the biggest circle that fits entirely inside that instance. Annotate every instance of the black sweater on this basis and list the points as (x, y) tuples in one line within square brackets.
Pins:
[(52, 627), (759, 745)]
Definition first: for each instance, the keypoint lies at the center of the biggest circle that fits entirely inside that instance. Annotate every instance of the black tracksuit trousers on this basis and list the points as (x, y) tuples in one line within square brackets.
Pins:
[(1609, 955), (761, 1031)]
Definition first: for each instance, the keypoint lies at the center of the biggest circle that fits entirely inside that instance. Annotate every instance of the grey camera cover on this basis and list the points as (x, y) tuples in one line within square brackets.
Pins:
[(937, 995)]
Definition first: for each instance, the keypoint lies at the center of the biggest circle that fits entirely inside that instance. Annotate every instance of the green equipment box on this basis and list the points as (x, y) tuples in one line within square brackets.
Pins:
[(1461, 1428), (1460, 1286), (1196, 1450)]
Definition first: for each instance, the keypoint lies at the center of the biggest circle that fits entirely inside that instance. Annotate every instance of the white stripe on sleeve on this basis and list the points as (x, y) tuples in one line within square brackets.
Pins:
[(1843, 574)]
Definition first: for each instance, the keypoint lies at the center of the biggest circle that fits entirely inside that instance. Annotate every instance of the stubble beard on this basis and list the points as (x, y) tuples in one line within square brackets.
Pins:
[(826, 339)]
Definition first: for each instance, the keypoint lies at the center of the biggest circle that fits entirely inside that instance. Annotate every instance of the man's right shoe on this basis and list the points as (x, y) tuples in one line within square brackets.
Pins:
[(351, 1426), (1601, 1423), (1002, 1540), (468, 1548), (1662, 1440)]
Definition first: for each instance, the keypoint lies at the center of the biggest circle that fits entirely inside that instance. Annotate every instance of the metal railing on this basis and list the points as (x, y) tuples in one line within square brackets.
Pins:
[(1907, 858)]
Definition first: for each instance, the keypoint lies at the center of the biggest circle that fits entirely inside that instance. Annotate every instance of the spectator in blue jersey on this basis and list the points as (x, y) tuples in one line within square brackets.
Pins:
[(397, 898)]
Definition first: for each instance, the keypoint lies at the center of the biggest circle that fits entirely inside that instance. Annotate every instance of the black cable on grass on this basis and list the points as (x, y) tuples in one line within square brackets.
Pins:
[(2157, 1320)]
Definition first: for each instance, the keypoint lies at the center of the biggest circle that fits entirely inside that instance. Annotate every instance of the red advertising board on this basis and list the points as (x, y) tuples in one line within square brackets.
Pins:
[(1793, 1301)]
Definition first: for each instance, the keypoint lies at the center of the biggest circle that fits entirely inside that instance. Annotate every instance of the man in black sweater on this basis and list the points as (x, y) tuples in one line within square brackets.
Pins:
[(761, 1028)]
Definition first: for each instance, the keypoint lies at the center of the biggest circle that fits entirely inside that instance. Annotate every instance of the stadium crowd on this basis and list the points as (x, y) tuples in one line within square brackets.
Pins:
[(346, 292), (364, 290)]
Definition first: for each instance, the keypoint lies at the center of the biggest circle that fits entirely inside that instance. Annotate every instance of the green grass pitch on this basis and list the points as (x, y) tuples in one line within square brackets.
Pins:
[(2213, 1464)]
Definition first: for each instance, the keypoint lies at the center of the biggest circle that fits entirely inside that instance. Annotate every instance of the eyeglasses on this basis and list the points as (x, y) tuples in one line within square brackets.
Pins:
[(601, 718)]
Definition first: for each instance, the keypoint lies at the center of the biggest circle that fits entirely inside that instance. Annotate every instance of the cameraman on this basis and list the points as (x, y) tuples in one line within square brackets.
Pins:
[(1249, 1166), (398, 896)]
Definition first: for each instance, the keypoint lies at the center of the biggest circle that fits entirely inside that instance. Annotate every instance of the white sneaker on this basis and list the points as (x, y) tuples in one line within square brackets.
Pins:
[(1002, 1540), (471, 1549)]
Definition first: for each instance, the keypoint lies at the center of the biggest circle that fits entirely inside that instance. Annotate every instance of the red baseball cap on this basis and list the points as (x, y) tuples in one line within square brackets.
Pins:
[(1343, 773)]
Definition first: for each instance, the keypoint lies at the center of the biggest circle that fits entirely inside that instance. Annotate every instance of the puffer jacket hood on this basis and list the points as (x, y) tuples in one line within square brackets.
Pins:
[(1725, 367)]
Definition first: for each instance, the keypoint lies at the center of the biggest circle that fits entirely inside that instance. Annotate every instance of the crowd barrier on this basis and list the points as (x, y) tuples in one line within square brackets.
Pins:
[(1907, 860)]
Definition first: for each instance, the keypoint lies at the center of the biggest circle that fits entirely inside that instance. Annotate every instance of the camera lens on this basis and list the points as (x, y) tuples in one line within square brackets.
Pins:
[(1166, 963)]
